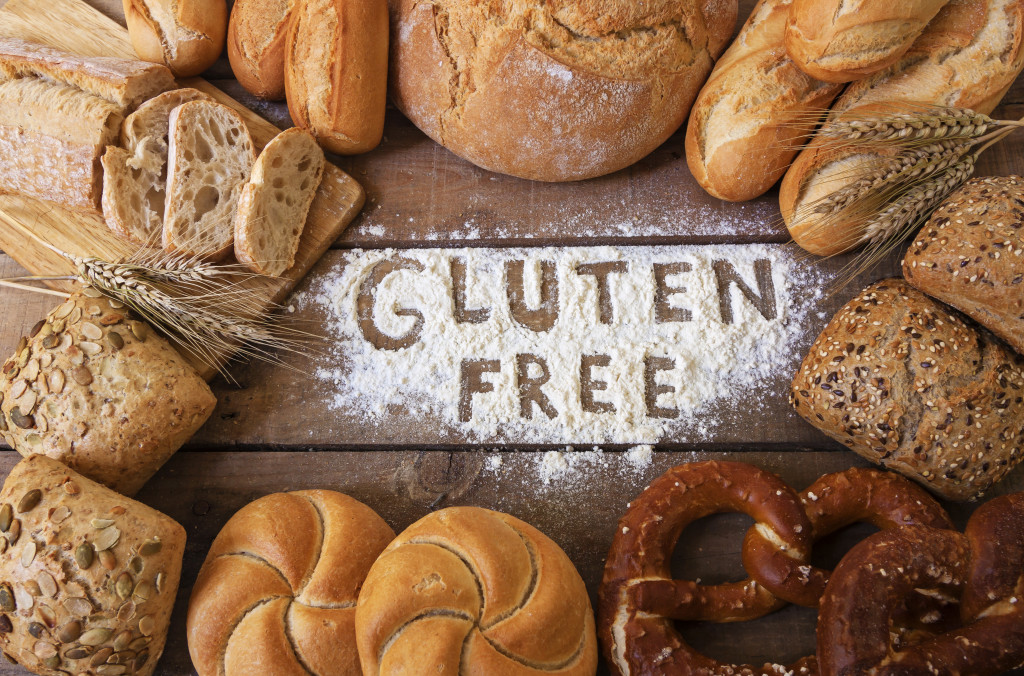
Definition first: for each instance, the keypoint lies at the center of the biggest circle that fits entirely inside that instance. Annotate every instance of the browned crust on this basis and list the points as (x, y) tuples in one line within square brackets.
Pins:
[(198, 38), (256, 46)]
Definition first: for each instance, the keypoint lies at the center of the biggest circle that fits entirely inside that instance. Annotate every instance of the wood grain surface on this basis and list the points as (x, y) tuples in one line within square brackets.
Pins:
[(272, 430)]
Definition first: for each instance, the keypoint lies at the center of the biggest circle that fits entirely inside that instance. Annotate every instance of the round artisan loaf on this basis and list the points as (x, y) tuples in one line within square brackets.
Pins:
[(468, 590), (553, 91), (970, 255), (87, 577), (277, 592), (187, 36), (906, 383), (98, 390)]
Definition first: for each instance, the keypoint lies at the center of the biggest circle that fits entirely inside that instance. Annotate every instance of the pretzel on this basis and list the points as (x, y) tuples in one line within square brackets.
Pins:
[(984, 566), (832, 502), (638, 597)]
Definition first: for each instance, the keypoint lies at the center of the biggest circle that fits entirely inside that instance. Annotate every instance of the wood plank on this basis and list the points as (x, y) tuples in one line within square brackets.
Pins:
[(27, 225), (579, 512)]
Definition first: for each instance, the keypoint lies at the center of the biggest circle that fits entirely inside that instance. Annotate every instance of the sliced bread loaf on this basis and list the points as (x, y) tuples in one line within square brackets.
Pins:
[(274, 204), (210, 158), (135, 175)]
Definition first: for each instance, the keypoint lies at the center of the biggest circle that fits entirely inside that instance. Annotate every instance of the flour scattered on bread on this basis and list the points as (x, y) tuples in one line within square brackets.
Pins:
[(636, 342)]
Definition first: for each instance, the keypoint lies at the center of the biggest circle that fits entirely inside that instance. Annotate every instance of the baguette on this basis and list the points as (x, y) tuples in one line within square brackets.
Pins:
[(257, 33), (187, 36), (968, 57), (753, 111), (275, 202), (135, 176), (210, 158), (839, 41), (335, 73)]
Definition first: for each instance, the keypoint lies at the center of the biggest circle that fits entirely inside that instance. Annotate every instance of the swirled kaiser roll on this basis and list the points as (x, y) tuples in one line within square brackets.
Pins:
[(553, 91), (276, 594), (470, 591)]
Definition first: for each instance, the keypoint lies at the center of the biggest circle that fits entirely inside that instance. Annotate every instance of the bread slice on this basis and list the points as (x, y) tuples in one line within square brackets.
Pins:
[(210, 158), (135, 175), (275, 202)]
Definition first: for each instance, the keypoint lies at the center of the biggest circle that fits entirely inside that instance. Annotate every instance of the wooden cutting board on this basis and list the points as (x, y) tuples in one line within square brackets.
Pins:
[(74, 26)]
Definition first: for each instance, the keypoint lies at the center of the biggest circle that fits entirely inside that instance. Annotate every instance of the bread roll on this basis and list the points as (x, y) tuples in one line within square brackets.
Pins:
[(967, 57), (840, 41), (256, 37), (753, 112), (336, 65), (553, 91), (187, 36), (970, 255), (58, 112), (468, 590), (277, 592), (102, 393), (88, 576), (904, 382)]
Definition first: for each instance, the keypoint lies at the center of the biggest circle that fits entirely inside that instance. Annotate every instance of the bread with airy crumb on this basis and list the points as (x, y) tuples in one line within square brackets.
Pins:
[(135, 175), (210, 158), (275, 202)]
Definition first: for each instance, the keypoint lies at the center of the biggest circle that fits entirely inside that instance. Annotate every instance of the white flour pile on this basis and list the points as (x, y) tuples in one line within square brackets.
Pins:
[(697, 364)]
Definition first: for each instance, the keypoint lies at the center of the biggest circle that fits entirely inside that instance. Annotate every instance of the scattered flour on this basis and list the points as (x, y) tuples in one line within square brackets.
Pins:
[(705, 361)]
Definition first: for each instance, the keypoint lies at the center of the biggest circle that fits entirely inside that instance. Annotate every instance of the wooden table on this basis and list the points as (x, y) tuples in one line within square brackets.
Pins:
[(268, 435)]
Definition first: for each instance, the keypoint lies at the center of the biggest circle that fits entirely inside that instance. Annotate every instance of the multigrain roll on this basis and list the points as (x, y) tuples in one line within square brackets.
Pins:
[(187, 36), (100, 391), (468, 590), (87, 577), (970, 255), (277, 592), (967, 57), (553, 91), (906, 383), (840, 41), (754, 111)]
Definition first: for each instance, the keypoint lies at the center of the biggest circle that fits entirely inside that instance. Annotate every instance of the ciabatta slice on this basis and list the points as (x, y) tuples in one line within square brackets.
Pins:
[(210, 160), (135, 175), (275, 202)]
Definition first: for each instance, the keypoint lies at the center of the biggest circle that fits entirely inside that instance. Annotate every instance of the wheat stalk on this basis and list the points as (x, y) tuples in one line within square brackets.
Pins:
[(929, 125)]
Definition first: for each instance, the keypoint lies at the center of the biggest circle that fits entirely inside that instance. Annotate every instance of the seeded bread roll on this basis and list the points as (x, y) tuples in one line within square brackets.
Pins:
[(553, 91), (87, 577), (754, 110), (102, 393), (970, 255), (906, 383), (256, 37), (469, 591), (838, 41), (187, 36), (277, 592)]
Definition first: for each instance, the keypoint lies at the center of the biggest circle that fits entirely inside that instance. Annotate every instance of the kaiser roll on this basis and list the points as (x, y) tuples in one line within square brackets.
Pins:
[(553, 91), (277, 592), (469, 591)]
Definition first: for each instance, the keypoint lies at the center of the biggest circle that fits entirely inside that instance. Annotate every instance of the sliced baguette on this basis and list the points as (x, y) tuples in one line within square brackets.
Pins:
[(275, 202), (135, 175), (210, 158)]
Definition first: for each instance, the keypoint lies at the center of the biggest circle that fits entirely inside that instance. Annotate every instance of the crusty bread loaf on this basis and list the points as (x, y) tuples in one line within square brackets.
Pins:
[(906, 383), (257, 33), (277, 592), (970, 255), (840, 41), (210, 158), (135, 175), (754, 110), (967, 57), (58, 112), (553, 91), (275, 202), (101, 392), (88, 576), (187, 36), (336, 65), (468, 590)]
